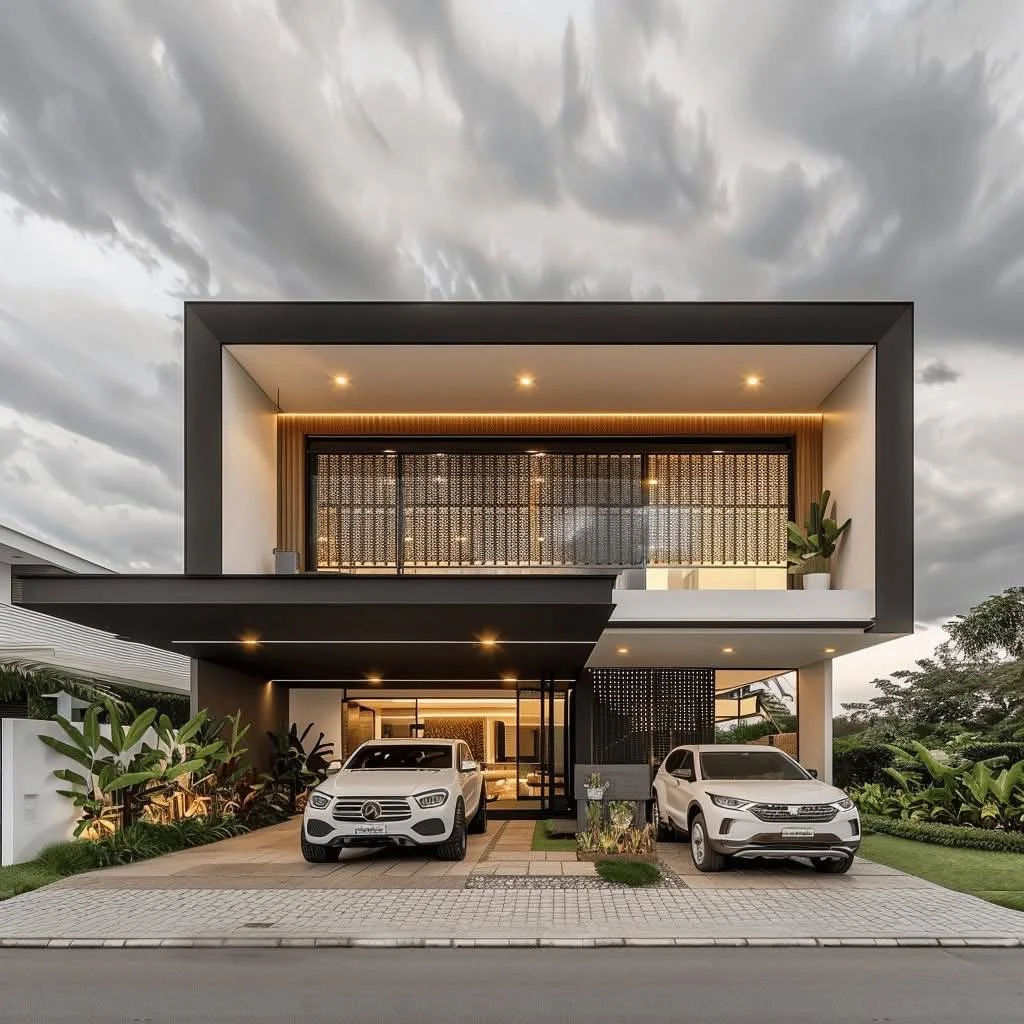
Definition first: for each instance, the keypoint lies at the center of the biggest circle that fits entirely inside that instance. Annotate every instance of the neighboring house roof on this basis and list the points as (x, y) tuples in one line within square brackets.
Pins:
[(28, 636)]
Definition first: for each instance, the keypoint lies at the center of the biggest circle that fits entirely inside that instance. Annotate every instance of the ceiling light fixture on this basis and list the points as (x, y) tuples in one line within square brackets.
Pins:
[(717, 451), (250, 641), (488, 641), (341, 381), (753, 381), (373, 678), (727, 650), (526, 380), (622, 650), (830, 650)]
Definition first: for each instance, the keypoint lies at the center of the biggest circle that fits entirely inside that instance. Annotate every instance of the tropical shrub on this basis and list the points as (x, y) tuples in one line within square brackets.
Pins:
[(294, 771), (926, 788)]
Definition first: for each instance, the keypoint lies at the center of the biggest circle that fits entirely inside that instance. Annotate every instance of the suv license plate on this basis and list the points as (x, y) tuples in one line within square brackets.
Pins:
[(371, 830), (798, 833)]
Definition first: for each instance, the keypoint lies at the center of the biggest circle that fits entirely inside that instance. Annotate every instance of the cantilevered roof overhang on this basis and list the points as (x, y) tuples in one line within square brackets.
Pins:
[(347, 628)]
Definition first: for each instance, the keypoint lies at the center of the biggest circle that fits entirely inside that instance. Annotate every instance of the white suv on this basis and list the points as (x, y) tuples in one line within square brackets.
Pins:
[(426, 793), (750, 801)]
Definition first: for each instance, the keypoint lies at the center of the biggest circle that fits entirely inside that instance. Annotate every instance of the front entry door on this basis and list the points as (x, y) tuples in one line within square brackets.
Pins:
[(542, 744)]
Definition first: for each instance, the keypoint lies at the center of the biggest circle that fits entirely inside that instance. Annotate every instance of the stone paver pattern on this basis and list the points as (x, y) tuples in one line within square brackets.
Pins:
[(257, 889)]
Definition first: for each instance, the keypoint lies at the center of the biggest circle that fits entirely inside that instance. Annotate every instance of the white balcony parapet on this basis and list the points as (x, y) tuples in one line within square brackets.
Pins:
[(754, 606)]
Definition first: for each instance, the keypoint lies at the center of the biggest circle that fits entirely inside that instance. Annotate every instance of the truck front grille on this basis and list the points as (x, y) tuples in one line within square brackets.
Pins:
[(794, 812), (352, 808)]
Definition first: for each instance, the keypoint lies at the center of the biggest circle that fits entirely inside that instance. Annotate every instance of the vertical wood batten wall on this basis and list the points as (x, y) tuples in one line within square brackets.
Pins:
[(293, 431)]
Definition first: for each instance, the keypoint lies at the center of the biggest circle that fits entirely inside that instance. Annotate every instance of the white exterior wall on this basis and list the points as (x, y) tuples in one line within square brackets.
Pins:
[(249, 440), (848, 471), (5, 583), (323, 709), (33, 815)]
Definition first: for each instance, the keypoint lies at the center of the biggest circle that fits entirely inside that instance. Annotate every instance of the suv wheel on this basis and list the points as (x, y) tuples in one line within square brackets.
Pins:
[(478, 823), (661, 828), (704, 858), (827, 866), (454, 848), (315, 853)]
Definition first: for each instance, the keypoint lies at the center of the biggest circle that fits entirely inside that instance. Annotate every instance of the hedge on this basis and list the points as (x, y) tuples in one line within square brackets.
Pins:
[(946, 835), (855, 762), (980, 751)]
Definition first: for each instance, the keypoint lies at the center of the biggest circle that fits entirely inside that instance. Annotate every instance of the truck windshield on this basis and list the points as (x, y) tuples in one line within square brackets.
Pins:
[(401, 755), (750, 764)]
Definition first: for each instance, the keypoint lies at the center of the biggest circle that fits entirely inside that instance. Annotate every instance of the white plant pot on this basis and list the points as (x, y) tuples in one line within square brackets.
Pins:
[(817, 581), (595, 794)]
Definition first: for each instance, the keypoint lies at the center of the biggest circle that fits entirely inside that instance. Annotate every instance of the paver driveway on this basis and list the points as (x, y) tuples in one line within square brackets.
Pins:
[(257, 889)]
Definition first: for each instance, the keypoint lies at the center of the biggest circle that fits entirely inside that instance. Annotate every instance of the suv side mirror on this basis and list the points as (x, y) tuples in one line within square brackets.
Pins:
[(683, 773), (469, 766), (333, 767)]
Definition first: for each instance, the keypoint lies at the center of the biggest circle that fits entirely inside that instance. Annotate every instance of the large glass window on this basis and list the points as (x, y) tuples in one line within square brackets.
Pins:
[(426, 512)]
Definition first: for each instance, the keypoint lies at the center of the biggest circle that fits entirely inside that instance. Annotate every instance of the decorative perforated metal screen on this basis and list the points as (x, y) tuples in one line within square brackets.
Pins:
[(717, 509), (416, 511), (640, 714)]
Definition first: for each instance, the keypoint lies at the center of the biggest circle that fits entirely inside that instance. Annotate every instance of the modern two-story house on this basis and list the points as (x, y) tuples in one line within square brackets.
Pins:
[(557, 531)]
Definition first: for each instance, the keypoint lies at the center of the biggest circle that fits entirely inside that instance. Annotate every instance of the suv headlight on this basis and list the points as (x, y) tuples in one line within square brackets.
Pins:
[(730, 803), (435, 798), (319, 800), (845, 804)]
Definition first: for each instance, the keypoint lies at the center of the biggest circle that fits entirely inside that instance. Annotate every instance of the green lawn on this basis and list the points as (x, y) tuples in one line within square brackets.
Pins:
[(19, 878), (996, 877), (542, 842)]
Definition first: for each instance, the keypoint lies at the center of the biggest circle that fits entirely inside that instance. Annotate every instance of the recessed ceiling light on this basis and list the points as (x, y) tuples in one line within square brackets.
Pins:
[(488, 641), (250, 641), (389, 451), (622, 650), (373, 678), (717, 451), (752, 381), (727, 650), (830, 650), (341, 381), (510, 679), (526, 380)]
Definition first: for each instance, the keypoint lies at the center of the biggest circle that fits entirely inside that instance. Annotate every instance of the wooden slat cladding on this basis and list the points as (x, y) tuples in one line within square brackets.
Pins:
[(293, 431)]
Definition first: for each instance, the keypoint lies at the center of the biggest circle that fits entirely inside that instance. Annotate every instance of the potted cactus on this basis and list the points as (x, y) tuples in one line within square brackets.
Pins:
[(811, 550)]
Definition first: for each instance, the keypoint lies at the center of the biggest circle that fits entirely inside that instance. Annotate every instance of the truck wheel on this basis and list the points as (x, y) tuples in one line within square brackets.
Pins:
[(454, 848), (704, 858), (314, 853), (478, 823)]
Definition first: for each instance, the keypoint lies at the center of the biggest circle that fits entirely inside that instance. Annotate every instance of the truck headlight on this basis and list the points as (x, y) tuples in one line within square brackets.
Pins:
[(435, 798), (319, 801), (730, 803)]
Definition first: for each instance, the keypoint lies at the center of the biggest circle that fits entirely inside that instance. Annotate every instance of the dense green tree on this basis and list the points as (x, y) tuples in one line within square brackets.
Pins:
[(992, 630)]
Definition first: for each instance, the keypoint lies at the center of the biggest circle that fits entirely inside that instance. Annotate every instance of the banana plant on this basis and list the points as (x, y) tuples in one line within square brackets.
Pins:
[(812, 548)]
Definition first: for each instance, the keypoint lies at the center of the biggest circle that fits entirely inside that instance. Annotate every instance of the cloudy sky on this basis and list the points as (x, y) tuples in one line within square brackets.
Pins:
[(557, 149)]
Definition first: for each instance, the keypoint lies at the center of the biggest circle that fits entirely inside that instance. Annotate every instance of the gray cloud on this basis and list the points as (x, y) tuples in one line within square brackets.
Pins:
[(264, 155), (938, 371)]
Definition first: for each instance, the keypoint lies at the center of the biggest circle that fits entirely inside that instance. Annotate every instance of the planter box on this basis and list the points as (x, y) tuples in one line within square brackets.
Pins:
[(593, 858)]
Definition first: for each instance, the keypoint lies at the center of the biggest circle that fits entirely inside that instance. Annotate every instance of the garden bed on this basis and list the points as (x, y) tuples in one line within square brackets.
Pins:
[(955, 836), (597, 858)]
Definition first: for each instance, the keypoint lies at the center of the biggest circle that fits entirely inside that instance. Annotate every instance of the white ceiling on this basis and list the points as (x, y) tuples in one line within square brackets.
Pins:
[(770, 650), (569, 378)]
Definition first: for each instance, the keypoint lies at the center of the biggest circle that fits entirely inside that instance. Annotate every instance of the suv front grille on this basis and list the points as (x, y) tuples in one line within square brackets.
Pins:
[(350, 808), (794, 812)]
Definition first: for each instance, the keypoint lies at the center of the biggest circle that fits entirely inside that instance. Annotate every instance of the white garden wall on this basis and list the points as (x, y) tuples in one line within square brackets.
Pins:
[(32, 815)]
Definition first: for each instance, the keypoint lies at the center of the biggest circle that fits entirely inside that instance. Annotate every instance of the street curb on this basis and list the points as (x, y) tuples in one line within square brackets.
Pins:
[(540, 942)]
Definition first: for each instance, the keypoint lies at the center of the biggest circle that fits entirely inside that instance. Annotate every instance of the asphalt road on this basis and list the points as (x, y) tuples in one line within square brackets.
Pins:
[(793, 986)]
